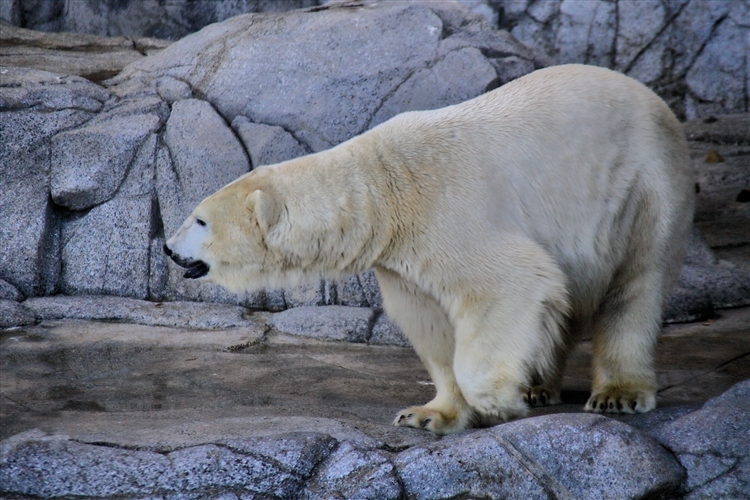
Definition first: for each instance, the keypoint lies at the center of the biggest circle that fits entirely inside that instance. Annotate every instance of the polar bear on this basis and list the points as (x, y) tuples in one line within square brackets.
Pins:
[(500, 229)]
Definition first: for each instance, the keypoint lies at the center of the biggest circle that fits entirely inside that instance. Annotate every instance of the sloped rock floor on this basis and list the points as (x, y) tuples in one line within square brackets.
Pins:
[(101, 409)]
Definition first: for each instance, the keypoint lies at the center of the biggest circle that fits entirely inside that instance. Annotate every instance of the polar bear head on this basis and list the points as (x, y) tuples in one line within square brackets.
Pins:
[(282, 225), (226, 238)]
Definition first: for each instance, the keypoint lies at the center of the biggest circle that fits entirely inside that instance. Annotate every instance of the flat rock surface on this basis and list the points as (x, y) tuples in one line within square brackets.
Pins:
[(117, 408)]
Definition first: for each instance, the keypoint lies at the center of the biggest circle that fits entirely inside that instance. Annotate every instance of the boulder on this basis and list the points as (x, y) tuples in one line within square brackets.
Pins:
[(35, 105), (351, 472), (346, 67), (350, 324), (33, 463), (713, 445), (558, 456), (690, 51)]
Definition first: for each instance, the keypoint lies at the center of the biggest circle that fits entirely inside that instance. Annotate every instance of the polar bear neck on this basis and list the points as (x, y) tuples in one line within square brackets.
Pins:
[(334, 223)]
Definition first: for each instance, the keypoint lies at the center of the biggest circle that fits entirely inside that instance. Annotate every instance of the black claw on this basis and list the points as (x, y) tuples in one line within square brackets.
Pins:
[(533, 400), (401, 418), (544, 399), (410, 415), (611, 405), (425, 422), (601, 406), (619, 406)]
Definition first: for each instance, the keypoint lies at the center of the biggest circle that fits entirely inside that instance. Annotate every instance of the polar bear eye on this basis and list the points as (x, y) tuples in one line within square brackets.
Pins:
[(201, 222)]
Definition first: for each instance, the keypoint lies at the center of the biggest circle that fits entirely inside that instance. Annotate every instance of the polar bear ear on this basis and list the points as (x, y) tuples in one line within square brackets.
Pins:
[(265, 208)]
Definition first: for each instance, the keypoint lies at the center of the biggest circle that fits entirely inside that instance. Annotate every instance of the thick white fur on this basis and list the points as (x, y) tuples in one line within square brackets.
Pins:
[(499, 229)]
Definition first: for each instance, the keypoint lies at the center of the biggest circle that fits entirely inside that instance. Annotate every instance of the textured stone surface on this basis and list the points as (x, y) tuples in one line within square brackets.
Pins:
[(239, 410), (9, 292), (89, 163), (34, 106), (120, 229), (171, 20), (474, 465), (385, 331), (14, 314), (691, 52), (92, 57), (345, 91), (713, 445), (326, 323), (52, 466), (565, 445), (267, 144), (355, 473), (563, 456), (177, 314), (171, 90)]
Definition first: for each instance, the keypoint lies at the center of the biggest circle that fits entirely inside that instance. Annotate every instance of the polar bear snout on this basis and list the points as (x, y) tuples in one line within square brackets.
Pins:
[(194, 268)]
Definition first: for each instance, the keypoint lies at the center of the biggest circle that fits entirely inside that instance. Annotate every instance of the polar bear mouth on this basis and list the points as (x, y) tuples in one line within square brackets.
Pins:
[(194, 268)]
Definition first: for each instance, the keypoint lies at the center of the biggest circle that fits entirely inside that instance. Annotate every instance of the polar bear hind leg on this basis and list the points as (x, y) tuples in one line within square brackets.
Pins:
[(628, 321)]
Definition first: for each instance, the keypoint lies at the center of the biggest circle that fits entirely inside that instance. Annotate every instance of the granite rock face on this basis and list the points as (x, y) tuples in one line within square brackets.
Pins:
[(690, 51), (713, 445), (172, 20), (34, 106), (557, 456), (99, 176)]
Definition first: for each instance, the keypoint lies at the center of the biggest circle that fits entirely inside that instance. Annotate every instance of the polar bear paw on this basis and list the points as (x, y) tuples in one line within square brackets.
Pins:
[(431, 419), (537, 395), (621, 400)]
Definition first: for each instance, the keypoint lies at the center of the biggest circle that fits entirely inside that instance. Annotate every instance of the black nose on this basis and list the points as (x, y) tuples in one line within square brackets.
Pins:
[(167, 250)]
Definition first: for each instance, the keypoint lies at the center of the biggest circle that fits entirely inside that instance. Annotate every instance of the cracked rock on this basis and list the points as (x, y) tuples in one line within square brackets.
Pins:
[(351, 472), (559, 456), (35, 106), (33, 463), (267, 144), (713, 445), (340, 65)]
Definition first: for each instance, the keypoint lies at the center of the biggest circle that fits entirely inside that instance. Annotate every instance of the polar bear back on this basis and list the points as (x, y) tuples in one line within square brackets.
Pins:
[(565, 156)]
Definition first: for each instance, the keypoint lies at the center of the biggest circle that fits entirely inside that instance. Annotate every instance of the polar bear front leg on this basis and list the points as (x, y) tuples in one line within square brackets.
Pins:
[(428, 329)]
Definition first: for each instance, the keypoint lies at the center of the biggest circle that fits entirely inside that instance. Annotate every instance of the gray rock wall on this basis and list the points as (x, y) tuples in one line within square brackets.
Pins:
[(692, 52), (93, 177), (168, 20)]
